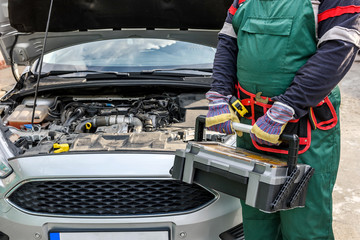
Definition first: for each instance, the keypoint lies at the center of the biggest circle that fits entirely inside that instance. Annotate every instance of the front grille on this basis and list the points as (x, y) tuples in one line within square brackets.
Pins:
[(109, 197)]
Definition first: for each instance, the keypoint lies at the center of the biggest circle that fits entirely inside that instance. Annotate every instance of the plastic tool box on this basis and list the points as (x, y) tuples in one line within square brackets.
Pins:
[(263, 182)]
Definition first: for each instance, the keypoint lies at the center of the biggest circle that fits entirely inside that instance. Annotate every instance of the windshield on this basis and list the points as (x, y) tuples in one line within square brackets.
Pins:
[(129, 55)]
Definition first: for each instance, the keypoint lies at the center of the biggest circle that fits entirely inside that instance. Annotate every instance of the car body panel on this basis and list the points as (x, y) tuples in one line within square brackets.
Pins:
[(96, 165), (204, 224)]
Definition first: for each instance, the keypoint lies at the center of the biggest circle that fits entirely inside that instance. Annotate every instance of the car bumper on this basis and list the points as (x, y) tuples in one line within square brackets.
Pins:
[(204, 223)]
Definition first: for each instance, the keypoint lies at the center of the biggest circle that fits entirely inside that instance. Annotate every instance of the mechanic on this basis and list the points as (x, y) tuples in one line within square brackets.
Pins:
[(283, 59)]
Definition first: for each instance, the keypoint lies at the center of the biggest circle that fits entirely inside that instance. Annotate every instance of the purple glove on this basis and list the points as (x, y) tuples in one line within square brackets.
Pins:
[(220, 114), (269, 127)]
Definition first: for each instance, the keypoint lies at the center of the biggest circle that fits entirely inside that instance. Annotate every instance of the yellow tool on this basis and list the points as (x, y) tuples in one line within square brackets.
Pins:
[(238, 106), (61, 147), (259, 99)]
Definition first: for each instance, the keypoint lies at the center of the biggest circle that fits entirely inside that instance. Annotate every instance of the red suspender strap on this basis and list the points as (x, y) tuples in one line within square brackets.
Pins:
[(237, 88)]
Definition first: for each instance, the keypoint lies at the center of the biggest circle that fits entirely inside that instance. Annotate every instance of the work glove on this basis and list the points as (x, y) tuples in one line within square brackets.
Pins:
[(220, 115), (268, 128)]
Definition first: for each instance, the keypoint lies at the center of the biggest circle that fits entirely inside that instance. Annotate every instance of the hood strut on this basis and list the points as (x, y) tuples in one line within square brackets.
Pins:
[(41, 63), (14, 68)]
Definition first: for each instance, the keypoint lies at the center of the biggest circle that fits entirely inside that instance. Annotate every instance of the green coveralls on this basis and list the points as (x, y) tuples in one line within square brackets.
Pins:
[(275, 38)]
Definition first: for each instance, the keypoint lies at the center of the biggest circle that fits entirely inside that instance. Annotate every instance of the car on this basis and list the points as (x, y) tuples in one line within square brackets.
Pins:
[(116, 87)]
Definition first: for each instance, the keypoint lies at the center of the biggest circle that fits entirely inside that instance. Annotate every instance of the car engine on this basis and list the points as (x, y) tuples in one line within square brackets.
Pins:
[(104, 123)]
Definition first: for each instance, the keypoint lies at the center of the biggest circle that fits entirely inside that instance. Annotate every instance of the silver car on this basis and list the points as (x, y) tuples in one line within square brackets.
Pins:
[(115, 94)]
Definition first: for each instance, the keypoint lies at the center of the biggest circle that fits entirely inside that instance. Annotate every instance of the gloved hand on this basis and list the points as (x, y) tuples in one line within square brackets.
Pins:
[(220, 114), (269, 127)]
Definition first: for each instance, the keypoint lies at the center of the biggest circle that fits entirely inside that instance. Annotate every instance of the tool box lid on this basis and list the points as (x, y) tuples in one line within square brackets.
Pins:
[(240, 154)]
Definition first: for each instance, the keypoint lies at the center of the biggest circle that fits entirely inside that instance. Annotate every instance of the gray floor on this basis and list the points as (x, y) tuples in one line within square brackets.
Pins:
[(346, 205), (346, 195)]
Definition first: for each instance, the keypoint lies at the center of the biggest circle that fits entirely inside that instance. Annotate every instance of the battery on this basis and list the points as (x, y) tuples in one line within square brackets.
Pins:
[(261, 181)]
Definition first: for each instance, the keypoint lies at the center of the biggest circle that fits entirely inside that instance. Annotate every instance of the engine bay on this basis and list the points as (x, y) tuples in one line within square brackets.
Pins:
[(104, 123)]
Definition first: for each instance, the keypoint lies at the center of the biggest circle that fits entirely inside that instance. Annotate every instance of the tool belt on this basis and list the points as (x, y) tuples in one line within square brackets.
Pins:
[(323, 117)]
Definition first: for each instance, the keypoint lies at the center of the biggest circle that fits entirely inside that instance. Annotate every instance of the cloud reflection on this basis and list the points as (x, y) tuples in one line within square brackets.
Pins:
[(131, 52)]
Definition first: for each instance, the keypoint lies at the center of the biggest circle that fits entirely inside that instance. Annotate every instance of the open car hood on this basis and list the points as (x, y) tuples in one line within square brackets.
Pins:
[(79, 21)]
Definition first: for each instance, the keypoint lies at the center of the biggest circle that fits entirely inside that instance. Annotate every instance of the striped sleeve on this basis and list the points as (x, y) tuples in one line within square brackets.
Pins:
[(224, 70), (339, 20), (339, 42), (228, 28)]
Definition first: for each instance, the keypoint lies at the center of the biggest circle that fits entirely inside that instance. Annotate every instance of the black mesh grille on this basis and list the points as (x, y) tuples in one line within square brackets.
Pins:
[(109, 197)]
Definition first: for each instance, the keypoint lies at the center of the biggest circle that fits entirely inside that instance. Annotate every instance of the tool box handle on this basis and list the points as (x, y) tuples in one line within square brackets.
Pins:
[(199, 128), (291, 139)]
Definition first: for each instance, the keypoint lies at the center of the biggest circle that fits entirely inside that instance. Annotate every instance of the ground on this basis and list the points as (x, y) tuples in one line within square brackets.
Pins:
[(346, 195), (346, 205)]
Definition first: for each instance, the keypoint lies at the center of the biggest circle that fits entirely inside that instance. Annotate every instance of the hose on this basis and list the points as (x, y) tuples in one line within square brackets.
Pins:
[(111, 120), (79, 112)]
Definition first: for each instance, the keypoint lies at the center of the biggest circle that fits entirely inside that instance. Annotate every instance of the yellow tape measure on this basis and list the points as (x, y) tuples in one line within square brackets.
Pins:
[(238, 106)]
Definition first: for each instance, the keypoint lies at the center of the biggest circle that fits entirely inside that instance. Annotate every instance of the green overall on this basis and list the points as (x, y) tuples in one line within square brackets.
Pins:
[(275, 38)]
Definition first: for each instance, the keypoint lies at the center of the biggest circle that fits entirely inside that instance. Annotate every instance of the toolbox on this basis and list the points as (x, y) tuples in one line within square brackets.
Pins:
[(263, 182)]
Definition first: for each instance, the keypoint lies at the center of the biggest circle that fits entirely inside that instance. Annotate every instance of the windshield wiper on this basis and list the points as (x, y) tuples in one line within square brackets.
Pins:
[(152, 71), (92, 72), (159, 74), (133, 75), (107, 75)]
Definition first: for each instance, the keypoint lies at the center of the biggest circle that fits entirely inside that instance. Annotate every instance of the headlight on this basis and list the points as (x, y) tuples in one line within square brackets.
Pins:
[(5, 154)]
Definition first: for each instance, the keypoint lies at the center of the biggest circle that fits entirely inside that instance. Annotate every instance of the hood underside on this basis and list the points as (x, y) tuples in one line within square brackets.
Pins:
[(72, 15), (79, 21)]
